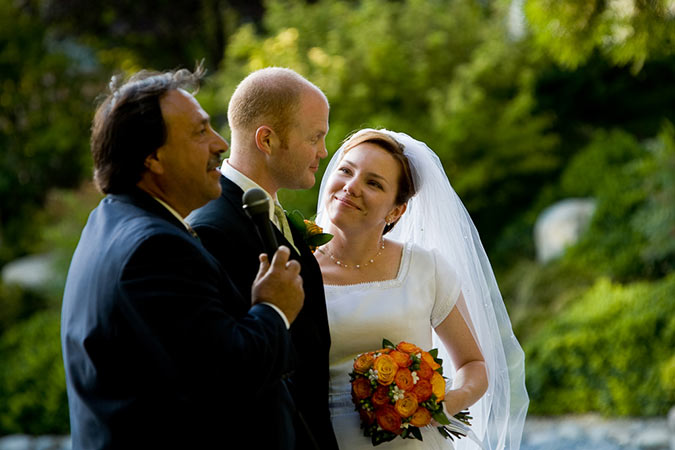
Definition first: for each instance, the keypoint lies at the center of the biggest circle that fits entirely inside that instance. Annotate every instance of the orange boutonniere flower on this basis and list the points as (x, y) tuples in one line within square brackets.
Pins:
[(312, 234), (398, 389)]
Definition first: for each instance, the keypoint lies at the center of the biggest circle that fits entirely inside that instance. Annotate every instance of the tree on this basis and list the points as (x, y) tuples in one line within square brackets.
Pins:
[(163, 34), (457, 82), (625, 31), (45, 107)]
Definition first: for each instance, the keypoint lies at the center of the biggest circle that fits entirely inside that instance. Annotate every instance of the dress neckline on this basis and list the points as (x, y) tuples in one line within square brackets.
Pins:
[(400, 276)]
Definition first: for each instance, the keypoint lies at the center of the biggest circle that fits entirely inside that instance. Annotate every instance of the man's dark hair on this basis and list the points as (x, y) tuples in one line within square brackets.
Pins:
[(128, 126)]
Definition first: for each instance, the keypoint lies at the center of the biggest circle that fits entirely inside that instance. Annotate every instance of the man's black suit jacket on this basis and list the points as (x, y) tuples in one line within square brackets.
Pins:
[(230, 235), (160, 348)]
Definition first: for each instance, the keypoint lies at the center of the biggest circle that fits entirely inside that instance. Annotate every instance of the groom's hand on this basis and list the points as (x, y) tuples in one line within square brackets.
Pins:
[(279, 283)]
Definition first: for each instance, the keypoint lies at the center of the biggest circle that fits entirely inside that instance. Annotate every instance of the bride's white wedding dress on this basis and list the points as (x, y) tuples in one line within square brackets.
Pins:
[(406, 308), (402, 309)]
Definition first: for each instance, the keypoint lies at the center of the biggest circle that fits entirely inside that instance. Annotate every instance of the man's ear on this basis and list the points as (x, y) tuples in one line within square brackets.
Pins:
[(266, 139), (152, 162)]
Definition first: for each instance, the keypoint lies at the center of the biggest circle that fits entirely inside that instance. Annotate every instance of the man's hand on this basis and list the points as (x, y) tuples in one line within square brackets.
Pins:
[(279, 283)]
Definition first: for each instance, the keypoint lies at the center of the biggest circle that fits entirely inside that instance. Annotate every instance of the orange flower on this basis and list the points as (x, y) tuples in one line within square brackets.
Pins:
[(422, 390), (421, 417), (383, 351), (438, 386), (381, 396), (386, 369), (363, 363), (402, 359), (367, 416), (404, 379), (408, 348), (407, 405), (312, 228), (425, 372), (426, 357), (361, 388), (388, 419)]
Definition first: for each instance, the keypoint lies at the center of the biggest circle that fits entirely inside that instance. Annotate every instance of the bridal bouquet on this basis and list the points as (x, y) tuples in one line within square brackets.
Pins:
[(399, 389)]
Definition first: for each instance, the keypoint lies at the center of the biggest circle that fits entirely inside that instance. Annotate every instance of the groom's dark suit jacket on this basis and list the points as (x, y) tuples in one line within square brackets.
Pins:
[(230, 235), (160, 348)]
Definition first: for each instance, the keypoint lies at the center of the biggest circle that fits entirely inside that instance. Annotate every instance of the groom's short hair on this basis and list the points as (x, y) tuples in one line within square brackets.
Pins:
[(269, 96)]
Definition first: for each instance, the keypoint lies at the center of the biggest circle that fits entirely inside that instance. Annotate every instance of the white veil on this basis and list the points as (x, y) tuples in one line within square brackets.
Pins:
[(436, 219)]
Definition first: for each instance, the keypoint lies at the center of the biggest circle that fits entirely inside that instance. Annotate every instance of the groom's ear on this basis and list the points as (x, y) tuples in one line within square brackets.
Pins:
[(266, 139)]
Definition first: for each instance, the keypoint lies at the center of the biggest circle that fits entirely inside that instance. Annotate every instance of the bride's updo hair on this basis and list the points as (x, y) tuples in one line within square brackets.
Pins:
[(406, 186)]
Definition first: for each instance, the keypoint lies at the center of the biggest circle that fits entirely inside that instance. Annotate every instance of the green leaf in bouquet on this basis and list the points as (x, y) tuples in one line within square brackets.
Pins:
[(388, 344), (416, 432), (381, 437), (440, 417)]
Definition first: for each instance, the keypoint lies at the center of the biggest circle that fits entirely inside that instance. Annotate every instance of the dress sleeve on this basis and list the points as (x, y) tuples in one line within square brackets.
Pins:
[(447, 289)]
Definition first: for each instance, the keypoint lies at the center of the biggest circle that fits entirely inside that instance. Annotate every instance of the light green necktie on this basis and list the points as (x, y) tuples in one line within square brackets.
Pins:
[(284, 225)]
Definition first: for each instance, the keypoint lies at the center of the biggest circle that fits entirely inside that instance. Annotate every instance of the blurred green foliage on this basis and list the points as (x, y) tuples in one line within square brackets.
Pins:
[(458, 83), (32, 377), (44, 121), (610, 352), (631, 235), (577, 103), (623, 31)]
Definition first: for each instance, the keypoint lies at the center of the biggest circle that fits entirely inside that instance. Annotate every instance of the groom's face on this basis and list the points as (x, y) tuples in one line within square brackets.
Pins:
[(297, 161)]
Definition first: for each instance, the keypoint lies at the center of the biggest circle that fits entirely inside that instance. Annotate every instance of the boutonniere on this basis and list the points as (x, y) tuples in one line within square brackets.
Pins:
[(312, 234)]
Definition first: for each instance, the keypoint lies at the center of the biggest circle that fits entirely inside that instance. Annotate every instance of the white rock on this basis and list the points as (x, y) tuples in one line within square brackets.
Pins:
[(32, 271), (560, 225), (16, 442)]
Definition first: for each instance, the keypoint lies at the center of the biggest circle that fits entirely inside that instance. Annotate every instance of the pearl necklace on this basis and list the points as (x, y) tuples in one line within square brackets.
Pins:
[(355, 266)]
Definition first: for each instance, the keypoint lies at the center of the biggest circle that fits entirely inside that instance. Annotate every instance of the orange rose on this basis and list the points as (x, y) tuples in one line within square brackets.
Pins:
[(312, 228), (408, 348), (386, 369), (363, 363), (425, 372), (438, 386), (388, 419), (407, 405), (404, 379), (422, 390), (421, 417), (402, 359), (367, 416), (426, 357), (361, 388), (381, 396)]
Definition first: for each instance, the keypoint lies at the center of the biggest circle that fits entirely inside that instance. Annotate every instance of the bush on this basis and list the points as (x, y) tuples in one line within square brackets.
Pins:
[(630, 236), (32, 378), (610, 353), (17, 304)]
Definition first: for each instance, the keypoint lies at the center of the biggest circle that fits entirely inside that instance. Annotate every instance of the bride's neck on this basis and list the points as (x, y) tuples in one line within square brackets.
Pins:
[(353, 247)]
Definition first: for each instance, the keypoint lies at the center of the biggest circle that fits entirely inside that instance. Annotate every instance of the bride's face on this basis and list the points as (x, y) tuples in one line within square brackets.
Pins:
[(362, 190)]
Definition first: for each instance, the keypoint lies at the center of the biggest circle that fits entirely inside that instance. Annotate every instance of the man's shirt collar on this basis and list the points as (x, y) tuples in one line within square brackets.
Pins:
[(245, 183)]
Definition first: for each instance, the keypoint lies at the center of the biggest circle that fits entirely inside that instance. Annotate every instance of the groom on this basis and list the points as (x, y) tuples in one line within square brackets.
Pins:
[(279, 122)]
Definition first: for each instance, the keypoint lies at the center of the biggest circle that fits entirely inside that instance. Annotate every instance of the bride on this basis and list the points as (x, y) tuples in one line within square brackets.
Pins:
[(406, 264)]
